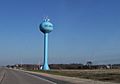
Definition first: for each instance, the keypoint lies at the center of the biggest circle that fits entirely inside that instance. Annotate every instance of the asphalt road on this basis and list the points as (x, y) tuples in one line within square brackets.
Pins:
[(10, 76)]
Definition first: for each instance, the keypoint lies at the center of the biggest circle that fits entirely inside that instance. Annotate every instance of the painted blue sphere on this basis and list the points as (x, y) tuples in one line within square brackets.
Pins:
[(46, 26)]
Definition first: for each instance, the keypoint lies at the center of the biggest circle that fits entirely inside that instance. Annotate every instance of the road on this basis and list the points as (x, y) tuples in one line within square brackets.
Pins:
[(9, 76)]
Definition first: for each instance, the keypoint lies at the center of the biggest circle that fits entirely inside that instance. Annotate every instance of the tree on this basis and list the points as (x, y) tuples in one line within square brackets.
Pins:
[(89, 64)]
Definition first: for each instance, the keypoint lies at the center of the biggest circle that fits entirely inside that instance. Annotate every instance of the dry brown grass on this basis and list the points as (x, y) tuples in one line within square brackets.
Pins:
[(112, 75)]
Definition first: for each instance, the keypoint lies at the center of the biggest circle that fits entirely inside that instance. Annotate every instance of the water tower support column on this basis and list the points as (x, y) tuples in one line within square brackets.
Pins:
[(45, 66)]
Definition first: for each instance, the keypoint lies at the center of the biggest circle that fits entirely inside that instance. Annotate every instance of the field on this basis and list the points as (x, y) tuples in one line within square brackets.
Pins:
[(111, 75)]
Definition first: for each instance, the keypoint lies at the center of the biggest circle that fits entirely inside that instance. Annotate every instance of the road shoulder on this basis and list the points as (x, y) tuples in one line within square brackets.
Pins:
[(2, 75)]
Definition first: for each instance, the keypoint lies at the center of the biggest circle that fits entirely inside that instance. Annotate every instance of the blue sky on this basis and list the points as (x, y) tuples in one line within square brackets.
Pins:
[(83, 30)]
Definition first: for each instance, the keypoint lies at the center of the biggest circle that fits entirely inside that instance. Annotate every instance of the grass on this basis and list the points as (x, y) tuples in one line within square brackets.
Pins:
[(112, 75)]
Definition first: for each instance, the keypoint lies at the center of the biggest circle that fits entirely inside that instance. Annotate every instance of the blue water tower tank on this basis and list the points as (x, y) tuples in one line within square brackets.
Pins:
[(46, 26)]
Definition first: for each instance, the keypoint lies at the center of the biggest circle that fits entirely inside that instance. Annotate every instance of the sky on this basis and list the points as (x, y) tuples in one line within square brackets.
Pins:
[(84, 30)]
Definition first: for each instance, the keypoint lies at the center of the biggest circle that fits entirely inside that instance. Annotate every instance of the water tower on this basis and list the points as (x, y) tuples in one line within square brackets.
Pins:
[(46, 27)]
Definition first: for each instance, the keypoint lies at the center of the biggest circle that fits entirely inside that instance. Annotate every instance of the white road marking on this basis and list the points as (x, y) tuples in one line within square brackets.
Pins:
[(41, 78)]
